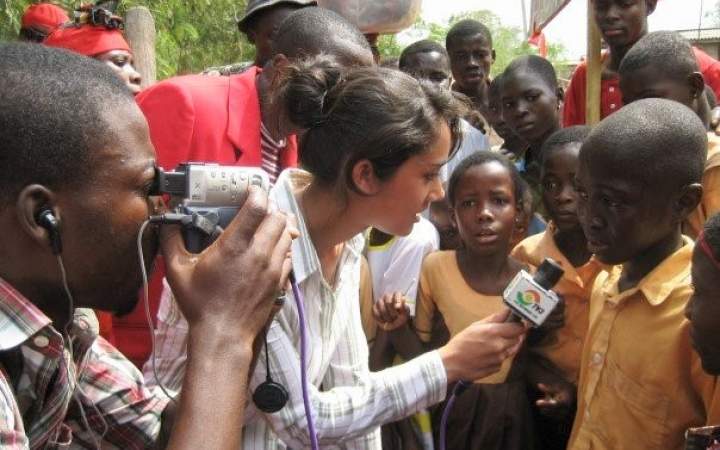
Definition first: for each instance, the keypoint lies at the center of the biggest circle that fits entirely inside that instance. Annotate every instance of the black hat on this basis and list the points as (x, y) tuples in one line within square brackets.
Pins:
[(255, 6)]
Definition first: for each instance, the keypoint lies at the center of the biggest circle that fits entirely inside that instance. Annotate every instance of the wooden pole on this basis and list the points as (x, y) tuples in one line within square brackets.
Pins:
[(594, 69), (140, 33)]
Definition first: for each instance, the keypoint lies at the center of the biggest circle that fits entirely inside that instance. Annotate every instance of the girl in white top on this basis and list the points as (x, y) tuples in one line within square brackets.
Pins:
[(373, 145)]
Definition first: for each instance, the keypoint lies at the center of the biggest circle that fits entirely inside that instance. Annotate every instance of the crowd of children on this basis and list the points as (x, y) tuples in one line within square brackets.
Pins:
[(425, 190)]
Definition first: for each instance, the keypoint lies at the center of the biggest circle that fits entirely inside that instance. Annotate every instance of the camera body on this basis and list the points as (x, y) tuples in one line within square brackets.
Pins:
[(211, 194)]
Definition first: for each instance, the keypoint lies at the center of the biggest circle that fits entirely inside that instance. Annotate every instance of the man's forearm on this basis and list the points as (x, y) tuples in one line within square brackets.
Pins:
[(210, 411)]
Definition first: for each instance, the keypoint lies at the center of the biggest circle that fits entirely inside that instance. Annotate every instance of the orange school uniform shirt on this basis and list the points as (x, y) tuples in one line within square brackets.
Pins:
[(575, 288), (710, 203), (641, 384), (443, 289)]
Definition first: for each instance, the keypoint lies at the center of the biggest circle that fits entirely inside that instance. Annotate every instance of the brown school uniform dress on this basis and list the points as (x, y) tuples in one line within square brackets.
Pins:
[(494, 413)]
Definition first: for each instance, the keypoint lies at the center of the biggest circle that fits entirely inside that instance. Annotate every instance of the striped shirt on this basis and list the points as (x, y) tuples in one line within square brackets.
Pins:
[(349, 402), (43, 389), (270, 152)]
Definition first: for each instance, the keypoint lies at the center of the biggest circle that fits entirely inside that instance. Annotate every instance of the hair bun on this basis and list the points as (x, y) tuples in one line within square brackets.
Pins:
[(306, 90)]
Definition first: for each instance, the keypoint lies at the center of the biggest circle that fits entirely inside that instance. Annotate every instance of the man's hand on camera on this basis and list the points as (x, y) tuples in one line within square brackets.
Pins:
[(231, 286), (480, 349)]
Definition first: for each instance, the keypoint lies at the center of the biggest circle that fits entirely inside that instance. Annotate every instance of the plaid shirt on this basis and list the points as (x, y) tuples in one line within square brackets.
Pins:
[(39, 407), (350, 402)]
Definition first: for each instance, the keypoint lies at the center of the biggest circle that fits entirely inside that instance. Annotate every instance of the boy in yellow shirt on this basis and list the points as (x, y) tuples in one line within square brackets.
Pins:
[(555, 360), (641, 385), (662, 65)]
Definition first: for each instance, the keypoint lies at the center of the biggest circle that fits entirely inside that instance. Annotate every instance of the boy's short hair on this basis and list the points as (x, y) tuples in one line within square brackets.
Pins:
[(669, 54), (310, 29), (478, 159), (660, 142), (54, 116), (424, 46), (536, 65), (562, 137), (466, 28), (711, 234)]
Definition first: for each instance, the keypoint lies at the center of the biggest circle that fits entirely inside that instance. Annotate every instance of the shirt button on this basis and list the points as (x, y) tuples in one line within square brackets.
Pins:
[(597, 359), (613, 106), (611, 89), (41, 341)]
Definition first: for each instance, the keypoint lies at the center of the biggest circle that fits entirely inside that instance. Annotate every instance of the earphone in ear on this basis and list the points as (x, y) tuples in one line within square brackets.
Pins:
[(46, 219)]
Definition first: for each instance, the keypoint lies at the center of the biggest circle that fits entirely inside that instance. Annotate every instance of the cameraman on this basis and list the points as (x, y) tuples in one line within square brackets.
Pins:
[(76, 168)]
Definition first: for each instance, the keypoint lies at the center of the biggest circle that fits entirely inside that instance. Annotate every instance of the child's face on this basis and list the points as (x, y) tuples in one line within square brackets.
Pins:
[(622, 22), (399, 200), (470, 59), (647, 83), (494, 116), (530, 106), (622, 218), (703, 311), (485, 208), (431, 66), (558, 186), (440, 216)]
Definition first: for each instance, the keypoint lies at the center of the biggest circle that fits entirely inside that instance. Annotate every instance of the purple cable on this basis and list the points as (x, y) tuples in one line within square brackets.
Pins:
[(300, 301), (459, 389)]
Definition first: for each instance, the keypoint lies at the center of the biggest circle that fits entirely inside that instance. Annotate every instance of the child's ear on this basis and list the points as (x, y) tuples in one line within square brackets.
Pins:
[(560, 93), (687, 201), (697, 84), (451, 213), (364, 179)]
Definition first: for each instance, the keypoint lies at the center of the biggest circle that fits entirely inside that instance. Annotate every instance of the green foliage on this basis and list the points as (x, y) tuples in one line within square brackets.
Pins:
[(195, 34), (508, 41), (191, 34)]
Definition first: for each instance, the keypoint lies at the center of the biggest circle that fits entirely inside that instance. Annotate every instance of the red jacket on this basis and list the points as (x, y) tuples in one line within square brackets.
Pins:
[(610, 95), (203, 119)]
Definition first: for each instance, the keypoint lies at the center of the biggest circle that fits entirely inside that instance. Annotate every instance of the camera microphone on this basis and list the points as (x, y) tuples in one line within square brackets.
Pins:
[(529, 297)]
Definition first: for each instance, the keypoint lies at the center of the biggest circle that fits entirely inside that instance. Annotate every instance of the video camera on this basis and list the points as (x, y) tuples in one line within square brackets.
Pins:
[(206, 197)]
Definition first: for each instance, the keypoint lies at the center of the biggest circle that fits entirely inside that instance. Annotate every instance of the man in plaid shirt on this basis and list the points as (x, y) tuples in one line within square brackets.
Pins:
[(74, 143)]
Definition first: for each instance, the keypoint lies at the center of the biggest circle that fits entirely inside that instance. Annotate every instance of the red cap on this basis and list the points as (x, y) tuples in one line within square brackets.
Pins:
[(88, 40), (44, 16)]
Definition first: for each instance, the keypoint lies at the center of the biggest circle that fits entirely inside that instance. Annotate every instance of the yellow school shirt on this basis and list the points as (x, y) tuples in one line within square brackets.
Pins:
[(641, 384), (565, 348), (710, 203), (443, 289)]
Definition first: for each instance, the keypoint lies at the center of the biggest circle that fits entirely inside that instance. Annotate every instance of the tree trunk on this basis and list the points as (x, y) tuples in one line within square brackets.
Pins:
[(140, 33)]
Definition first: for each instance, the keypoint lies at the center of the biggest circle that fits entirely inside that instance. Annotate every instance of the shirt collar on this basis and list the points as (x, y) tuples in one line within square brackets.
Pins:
[(305, 260), (19, 318), (662, 281)]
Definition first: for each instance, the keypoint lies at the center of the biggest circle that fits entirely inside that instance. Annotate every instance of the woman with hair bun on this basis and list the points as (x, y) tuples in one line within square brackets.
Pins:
[(372, 145)]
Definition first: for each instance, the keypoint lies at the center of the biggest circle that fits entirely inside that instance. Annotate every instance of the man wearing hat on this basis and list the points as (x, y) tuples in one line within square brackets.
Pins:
[(259, 24), (39, 20)]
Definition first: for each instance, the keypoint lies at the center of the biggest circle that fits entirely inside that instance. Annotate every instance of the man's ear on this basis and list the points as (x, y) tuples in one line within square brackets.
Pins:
[(275, 66), (687, 202), (650, 6), (251, 36), (493, 56), (30, 201), (697, 84), (363, 177)]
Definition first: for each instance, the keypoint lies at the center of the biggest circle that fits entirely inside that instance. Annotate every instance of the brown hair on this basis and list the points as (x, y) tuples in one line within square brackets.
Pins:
[(351, 114)]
